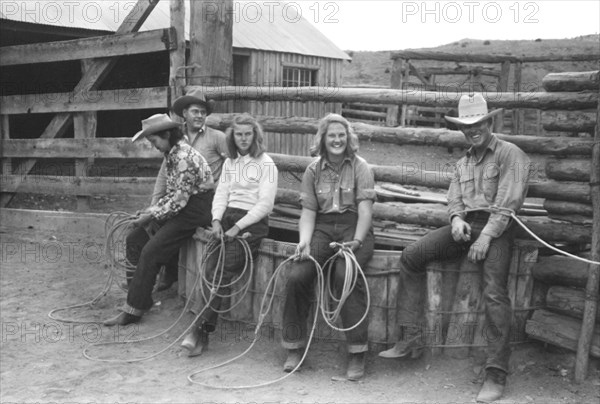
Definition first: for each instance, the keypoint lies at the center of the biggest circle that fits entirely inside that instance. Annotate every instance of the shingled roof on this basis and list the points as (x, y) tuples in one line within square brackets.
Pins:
[(269, 26)]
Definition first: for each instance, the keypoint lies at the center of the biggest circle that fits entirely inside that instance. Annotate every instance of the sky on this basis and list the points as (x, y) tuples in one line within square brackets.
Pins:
[(399, 24)]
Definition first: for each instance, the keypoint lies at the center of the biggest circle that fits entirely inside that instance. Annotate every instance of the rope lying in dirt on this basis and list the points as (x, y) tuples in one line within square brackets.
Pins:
[(117, 224), (353, 270), (211, 248)]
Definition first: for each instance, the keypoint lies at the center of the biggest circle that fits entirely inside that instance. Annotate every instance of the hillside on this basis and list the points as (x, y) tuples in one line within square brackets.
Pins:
[(374, 68)]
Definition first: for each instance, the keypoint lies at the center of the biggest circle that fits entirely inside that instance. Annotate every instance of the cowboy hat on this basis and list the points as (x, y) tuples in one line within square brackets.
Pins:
[(472, 109), (193, 97), (155, 123)]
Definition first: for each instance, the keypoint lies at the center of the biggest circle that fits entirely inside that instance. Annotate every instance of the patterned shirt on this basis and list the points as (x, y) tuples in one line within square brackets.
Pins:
[(499, 177), (187, 171), (327, 189)]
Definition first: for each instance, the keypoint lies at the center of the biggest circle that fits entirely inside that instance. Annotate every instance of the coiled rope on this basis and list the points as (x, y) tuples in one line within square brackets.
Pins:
[(324, 292)]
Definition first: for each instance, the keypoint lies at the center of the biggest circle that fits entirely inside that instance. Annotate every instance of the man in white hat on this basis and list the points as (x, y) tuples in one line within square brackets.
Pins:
[(194, 109), (493, 174)]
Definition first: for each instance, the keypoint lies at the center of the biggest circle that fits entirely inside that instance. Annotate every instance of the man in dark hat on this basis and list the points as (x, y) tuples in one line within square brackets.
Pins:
[(493, 174), (194, 109)]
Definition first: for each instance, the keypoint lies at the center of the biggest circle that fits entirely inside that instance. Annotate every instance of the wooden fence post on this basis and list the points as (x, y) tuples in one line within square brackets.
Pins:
[(591, 290), (211, 42)]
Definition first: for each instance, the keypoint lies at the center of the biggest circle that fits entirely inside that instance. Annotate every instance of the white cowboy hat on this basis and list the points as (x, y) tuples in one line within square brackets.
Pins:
[(472, 109), (193, 97), (155, 123)]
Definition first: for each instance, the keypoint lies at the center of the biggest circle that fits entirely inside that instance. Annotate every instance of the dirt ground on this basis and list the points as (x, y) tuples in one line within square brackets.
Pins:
[(42, 360)]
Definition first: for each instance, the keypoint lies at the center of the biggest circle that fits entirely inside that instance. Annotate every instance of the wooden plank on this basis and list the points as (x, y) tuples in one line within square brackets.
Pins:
[(537, 100), (87, 48), (586, 336), (560, 330), (78, 148), (5, 135), (569, 121), (567, 301), (177, 73), (211, 42), (487, 58), (569, 169), (560, 270), (572, 81), (91, 80), (559, 146), (86, 99), (50, 184)]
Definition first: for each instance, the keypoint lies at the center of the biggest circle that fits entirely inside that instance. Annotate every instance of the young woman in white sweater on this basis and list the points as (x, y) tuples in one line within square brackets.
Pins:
[(244, 197)]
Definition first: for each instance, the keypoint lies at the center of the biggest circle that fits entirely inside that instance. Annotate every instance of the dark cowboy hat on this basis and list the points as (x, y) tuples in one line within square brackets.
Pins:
[(472, 109), (193, 97), (154, 124)]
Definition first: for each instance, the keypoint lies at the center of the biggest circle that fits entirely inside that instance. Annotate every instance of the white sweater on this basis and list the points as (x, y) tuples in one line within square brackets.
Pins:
[(246, 183)]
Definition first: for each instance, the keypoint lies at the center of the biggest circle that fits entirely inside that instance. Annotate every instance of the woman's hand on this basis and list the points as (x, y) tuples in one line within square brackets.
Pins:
[(232, 233), (217, 229), (302, 250), (142, 220)]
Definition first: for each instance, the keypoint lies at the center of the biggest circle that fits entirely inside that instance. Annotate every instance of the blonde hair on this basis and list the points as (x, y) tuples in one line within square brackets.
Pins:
[(318, 146)]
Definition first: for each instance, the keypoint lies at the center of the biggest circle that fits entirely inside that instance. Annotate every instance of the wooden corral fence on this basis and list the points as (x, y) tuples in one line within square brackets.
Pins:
[(476, 68)]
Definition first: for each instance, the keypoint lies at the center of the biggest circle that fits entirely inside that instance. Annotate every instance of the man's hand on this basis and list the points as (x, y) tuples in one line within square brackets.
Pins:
[(461, 230), (480, 247)]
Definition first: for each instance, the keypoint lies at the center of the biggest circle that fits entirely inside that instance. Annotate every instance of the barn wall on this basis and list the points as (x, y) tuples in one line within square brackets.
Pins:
[(266, 69)]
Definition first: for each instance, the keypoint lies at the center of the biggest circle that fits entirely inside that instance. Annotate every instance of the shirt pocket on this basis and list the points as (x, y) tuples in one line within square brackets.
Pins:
[(489, 182), (467, 183), (348, 196), (324, 197)]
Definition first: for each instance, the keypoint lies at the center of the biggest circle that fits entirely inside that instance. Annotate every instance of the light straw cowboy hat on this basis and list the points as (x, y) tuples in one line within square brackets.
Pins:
[(155, 123), (472, 109), (193, 97)]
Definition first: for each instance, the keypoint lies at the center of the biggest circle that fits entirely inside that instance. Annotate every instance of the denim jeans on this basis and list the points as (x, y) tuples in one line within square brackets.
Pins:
[(233, 265), (302, 274), (439, 245), (159, 249)]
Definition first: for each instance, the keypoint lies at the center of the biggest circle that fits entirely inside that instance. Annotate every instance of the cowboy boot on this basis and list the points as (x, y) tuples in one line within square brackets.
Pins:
[(196, 341), (356, 366), (122, 319), (493, 386), (293, 359)]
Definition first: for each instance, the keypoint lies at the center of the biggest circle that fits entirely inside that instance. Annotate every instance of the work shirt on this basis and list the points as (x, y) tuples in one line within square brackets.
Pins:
[(213, 147), (187, 173), (499, 177), (330, 189), (246, 183)]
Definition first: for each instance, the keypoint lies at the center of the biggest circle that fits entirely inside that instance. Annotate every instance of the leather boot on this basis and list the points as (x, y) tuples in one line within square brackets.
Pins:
[(356, 366), (493, 386), (196, 341), (122, 319), (401, 349), (293, 359)]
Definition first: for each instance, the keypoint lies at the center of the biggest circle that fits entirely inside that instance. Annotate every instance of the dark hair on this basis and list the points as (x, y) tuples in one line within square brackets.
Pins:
[(318, 146), (174, 135), (257, 147)]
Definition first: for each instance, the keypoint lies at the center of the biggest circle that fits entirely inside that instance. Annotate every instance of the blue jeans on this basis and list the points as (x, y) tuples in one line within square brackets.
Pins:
[(439, 245), (159, 249), (302, 274)]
